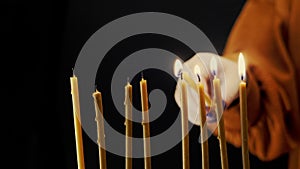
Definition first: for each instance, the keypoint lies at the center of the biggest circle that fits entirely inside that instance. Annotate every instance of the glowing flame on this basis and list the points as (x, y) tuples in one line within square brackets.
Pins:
[(242, 67), (213, 66), (197, 72), (177, 68)]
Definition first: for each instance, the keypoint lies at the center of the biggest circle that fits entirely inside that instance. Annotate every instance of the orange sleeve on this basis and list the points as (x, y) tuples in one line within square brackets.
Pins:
[(267, 32)]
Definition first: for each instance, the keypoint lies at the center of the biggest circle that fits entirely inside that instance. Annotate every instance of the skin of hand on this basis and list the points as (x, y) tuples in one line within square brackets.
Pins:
[(227, 72)]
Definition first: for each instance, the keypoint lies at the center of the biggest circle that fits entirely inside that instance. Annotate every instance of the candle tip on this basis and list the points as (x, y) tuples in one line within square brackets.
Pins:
[(73, 71), (178, 68), (199, 79), (197, 72), (128, 81), (214, 66)]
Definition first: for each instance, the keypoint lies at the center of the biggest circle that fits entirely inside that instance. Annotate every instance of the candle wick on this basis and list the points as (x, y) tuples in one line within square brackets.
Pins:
[(199, 79), (142, 74), (127, 80), (214, 72), (242, 77), (181, 75), (73, 71), (95, 87)]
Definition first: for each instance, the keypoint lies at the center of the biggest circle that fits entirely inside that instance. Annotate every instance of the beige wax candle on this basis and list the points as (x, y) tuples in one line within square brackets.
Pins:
[(202, 115), (77, 124), (145, 123), (219, 112), (100, 128), (184, 126), (128, 125), (243, 112)]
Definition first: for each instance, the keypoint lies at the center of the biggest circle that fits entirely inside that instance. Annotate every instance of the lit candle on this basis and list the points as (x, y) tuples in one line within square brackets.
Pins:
[(202, 116), (77, 125), (219, 112), (243, 111), (128, 124), (100, 128), (178, 70), (145, 123)]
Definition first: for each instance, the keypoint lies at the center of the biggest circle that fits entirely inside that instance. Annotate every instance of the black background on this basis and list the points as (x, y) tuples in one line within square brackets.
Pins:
[(42, 40)]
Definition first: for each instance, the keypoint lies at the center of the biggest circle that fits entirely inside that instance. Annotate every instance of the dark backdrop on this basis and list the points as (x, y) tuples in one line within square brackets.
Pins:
[(42, 40)]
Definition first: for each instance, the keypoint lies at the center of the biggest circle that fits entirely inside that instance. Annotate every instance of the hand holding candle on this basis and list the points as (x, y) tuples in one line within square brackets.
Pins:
[(226, 71), (243, 111), (178, 70)]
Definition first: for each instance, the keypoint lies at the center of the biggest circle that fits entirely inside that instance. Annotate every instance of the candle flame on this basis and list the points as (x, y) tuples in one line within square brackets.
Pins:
[(213, 66), (197, 71), (242, 67), (177, 68)]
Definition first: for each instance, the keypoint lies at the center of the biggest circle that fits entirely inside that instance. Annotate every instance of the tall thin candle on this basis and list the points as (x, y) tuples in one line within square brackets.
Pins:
[(219, 112), (100, 128), (178, 71), (184, 128), (202, 116), (145, 123), (77, 124), (128, 125), (243, 111)]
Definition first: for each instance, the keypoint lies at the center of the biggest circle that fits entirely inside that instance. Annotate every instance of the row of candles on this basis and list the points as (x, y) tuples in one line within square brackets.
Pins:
[(204, 100)]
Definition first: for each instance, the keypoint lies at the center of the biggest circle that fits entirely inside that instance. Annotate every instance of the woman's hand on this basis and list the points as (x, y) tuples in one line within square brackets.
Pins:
[(227, 73)]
